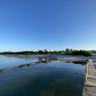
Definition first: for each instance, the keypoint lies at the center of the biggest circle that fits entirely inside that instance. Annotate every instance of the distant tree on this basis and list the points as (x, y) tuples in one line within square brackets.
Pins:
[(40, 51), (28, 53), (81, 52), (71, 50), (67, 50), (45, 50)]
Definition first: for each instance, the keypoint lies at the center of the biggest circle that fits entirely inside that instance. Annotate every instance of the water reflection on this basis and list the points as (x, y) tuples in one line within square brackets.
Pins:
[(44, 79), (7, 61), (40, 77), (13, 64)]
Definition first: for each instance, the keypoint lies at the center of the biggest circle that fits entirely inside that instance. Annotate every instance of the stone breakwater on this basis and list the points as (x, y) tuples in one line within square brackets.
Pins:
[(90, 79), (27, 65), (73, 59), (43, 59)]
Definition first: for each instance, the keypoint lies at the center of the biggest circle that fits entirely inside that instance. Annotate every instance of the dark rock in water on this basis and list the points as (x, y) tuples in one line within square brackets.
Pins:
[(38, 62), (43, 61), (20, 66), (1, 70), (28, 64), (80, 62), (46, 61)]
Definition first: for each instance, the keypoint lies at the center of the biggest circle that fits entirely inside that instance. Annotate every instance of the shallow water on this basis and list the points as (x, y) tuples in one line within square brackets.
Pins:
[(46, 79), (7, 61)]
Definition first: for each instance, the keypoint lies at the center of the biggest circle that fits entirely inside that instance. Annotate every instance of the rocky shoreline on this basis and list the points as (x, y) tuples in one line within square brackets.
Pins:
[(45, 59)]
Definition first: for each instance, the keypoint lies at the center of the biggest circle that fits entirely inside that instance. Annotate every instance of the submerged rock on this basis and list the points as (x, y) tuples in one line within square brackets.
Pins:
[(80, 62), (20, 66), (1, 70), (29, 64)]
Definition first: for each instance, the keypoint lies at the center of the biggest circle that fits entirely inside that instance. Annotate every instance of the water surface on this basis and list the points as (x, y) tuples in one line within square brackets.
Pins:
[(46, 79), (7, 61)]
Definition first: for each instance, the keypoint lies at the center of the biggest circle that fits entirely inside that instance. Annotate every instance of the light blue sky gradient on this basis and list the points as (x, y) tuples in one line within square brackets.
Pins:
[(47, 24)]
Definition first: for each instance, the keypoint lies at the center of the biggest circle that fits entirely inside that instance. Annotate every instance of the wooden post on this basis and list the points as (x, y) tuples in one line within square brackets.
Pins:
[(87, 69), (85, 77), (87, 66)]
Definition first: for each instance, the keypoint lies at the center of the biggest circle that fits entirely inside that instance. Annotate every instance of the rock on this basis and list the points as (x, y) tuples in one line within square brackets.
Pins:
[(20, 66), (28, 64), (1, 70)]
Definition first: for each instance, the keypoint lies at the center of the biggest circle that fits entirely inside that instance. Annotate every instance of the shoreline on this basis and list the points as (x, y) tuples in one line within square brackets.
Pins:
[(45, 59), (76, 58), (49, 56)]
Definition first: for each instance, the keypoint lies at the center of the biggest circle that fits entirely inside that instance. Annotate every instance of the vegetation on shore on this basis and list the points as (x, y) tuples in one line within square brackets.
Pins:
[(63, 52), (78, 52)]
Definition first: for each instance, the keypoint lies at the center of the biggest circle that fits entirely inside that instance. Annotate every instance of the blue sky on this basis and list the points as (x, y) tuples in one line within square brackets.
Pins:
[(47, 24)]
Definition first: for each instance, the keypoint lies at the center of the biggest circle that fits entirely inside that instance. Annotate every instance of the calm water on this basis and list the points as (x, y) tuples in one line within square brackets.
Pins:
[(45, 79), (6, 61)]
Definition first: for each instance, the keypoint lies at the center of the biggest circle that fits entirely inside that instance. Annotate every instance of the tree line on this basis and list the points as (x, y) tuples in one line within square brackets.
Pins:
[(63, 52)]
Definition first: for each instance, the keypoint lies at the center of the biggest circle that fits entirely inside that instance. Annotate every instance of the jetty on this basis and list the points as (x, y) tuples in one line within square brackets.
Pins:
[(90, 79)]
